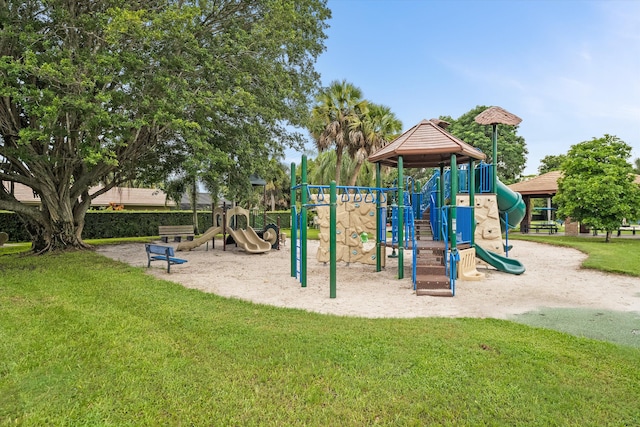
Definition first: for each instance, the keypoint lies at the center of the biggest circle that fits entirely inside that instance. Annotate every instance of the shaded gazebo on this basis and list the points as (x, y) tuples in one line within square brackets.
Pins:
[(426, 144), (543, 186)]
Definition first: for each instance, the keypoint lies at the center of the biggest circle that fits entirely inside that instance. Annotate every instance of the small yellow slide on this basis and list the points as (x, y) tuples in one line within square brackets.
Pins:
[(249, 240), (246, 239), (204, 238)]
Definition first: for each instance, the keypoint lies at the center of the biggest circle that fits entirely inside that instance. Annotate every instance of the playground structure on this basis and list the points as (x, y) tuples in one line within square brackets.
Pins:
[(458, 215), (355, 230), (247, 238)]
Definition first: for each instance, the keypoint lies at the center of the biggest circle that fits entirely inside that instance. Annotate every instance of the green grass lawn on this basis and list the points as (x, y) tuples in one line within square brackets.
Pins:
[(621, 255), (88, 340)]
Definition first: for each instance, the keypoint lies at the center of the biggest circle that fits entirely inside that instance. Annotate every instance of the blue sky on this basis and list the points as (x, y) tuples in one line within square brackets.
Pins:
[(569, 68)]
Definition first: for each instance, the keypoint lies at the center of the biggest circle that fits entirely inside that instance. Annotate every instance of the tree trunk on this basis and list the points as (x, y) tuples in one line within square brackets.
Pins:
[(194, 205), (354, 176), (58, 223), (607, 237), (338, 165), (54, 236)]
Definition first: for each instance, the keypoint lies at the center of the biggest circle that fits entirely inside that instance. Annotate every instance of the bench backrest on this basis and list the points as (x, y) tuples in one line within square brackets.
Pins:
[(160, 250), (175, 229)]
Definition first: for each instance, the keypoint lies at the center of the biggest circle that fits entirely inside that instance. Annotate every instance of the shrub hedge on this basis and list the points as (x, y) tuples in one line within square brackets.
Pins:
[(111, 224)]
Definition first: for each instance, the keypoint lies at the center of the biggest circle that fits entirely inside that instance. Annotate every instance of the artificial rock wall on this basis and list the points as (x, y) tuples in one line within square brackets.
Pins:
[(355, 233), (488, 232)]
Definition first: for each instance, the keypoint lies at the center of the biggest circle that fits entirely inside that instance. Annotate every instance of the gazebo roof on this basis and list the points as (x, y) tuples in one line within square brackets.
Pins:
[(426, 144), (542, 185)]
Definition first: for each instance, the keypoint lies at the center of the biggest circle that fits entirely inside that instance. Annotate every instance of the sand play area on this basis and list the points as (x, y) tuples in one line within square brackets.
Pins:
[(553, 279)]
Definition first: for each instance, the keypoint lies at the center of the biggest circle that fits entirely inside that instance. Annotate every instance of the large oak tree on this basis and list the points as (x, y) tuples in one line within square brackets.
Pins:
[(96, 93)]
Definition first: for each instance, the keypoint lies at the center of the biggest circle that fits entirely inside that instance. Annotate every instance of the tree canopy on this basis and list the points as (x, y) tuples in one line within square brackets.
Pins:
[(94, 94), (512, 148), (551, 163), (597, 187), (343, 120), (336, 107)]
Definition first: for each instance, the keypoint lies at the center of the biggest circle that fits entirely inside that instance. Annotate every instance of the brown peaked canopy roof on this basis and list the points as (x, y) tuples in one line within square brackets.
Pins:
[(426, 144), (544, 185), (541, 186), (497, 116)]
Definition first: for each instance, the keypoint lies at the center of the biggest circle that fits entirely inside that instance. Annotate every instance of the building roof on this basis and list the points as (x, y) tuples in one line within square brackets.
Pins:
[(133, 197), (426, 144), (543, 185), (148, 197)]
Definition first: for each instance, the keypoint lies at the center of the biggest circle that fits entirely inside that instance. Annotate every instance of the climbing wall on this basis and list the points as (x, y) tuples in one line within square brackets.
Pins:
[(488, 232), (355, 233)]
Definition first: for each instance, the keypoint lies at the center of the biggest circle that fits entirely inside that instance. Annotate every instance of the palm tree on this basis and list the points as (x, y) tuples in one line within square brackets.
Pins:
[(369, 132), (336, 107), (322, 169)]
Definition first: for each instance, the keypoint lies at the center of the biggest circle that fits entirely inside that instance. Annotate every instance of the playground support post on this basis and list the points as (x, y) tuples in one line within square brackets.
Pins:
[(472, 200), (400, 219), (294, 236), (440, 202), (454, 194), (332, 239), (379, 220), (495, 159), (224, 226), (303, 224)]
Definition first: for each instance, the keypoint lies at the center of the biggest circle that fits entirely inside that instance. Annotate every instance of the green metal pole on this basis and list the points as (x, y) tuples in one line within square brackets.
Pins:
[(495, 159), (454, 193), (303, 225), (472, 200), (294, 235), (332, 239), (379, 220), (400, 219)]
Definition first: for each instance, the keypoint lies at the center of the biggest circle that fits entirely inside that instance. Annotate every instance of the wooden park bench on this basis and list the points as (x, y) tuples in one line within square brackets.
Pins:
[(162, 253), (175, 231)]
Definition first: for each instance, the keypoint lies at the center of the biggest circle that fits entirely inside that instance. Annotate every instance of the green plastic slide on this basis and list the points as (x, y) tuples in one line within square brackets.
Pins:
[(502, 263), (510, 202)]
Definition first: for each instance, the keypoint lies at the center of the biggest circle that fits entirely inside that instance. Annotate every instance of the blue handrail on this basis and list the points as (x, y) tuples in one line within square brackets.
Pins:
[(450, 257), (444, 229), (382, 233)]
